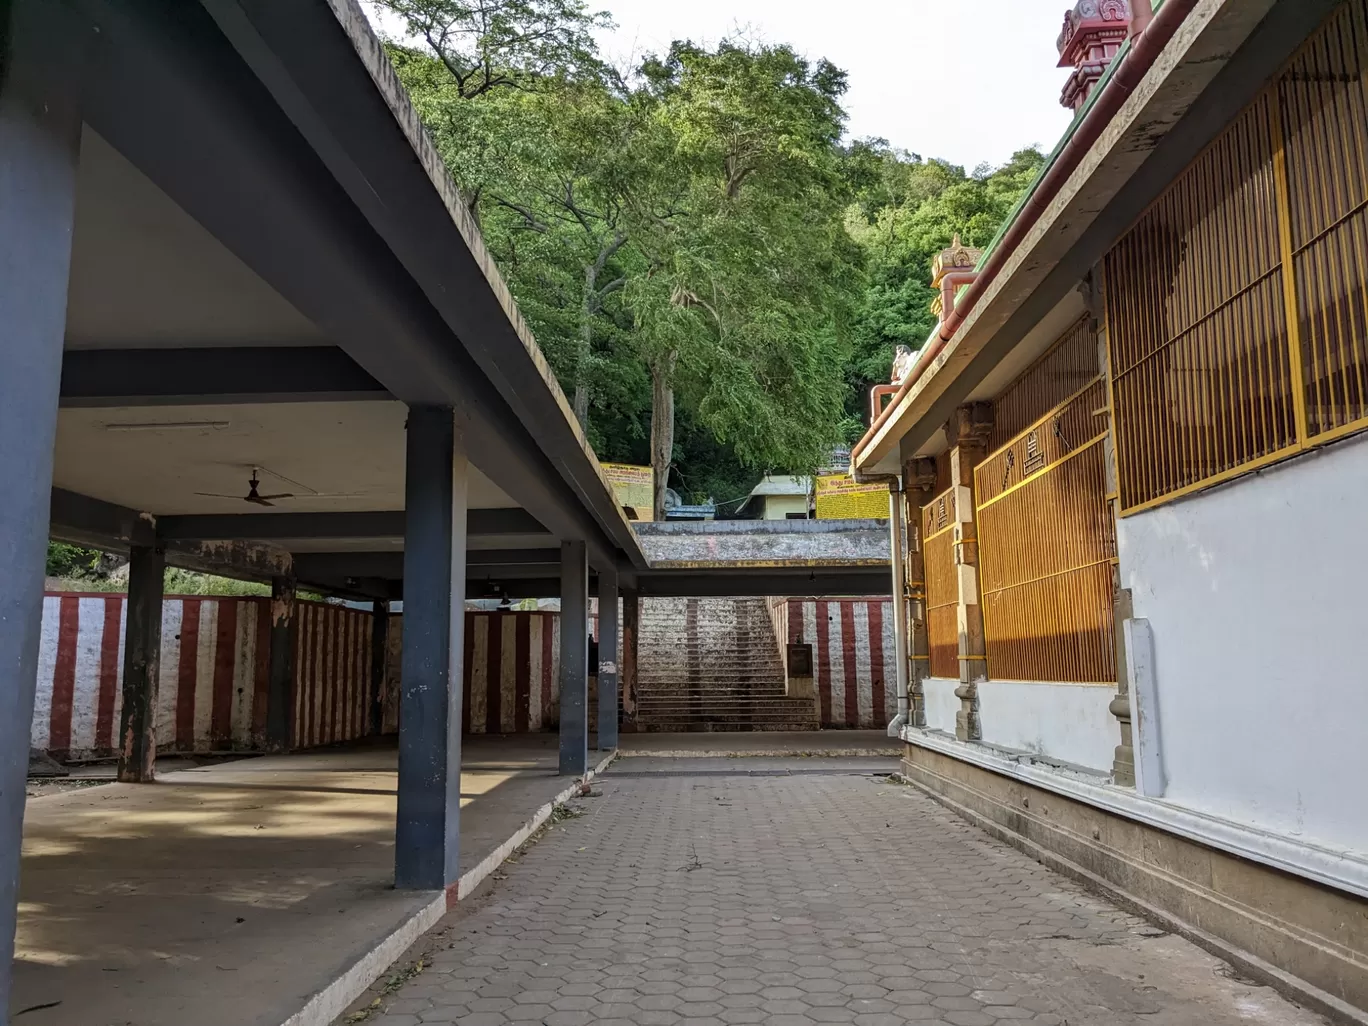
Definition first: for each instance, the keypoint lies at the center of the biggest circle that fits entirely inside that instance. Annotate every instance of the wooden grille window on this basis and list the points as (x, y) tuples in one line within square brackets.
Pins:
[(942, 584), (1323, 114), (1046, 549), (1237, 307)]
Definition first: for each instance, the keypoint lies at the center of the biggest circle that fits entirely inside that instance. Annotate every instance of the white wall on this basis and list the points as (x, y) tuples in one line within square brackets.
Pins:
[(1257, 593), (941, 703), (1066, 722)]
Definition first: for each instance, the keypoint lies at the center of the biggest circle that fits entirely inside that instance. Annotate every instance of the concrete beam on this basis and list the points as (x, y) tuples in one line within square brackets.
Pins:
[(801, 582), (383, 524), (230, 375)]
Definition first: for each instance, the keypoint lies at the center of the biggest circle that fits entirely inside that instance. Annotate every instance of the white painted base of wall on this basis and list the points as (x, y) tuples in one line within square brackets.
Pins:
[(1061, 722), (1254, 592), (941, 703), (1340, 869)]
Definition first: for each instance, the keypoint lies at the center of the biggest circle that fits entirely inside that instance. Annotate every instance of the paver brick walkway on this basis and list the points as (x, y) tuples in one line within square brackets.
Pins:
[(712, 900)]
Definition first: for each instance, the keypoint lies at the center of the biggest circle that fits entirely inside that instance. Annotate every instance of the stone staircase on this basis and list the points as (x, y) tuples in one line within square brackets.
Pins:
[(713, 665)]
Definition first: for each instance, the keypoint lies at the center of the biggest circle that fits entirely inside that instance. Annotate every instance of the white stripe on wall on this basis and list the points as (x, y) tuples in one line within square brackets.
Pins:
[(479, 675), (47, 666), (863, 674), (168, 673), (205, 650)]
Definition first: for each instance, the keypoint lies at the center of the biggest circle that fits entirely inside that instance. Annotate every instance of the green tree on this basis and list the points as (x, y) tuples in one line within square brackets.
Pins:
[(487, 45), (907, 210), (746, 301)]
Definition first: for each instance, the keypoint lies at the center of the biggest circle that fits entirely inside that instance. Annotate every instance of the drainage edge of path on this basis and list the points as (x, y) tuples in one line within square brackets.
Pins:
[(804, 771), (330, 1002)]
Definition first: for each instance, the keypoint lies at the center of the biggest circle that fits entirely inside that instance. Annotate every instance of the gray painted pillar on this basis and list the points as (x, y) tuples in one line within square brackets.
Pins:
[(574, 665), (142, 665), (380, 612), (427, 831), (40, 131), (608, 660), (280, 687), (896, 520)]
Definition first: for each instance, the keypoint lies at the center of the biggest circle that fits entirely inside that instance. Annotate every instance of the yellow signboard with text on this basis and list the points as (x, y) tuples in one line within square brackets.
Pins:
[(840, 497), (632, 486)]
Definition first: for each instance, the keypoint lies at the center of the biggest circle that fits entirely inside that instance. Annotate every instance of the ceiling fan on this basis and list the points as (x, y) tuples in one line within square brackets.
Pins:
[(253, 495)]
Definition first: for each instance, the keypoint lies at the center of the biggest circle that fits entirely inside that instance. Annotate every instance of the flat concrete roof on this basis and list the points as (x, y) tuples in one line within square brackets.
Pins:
[(269, 265)]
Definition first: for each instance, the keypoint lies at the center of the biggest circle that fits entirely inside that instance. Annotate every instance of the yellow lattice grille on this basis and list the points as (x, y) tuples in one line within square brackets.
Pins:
[(1068, 365), (1046, 549), (942, 585), (1237, 307), (1325, 121)]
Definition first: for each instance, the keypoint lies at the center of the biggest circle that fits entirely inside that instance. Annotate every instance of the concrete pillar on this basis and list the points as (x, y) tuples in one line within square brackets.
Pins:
[(380, 612), (574, 665), (969, 430), (427, 830), (280, 687), (142, 665), (919, 482), (900, 678), (627, 670), (40, 130), (608, 661)]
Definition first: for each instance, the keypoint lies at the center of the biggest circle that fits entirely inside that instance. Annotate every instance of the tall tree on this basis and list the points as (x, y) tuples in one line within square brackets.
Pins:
[(486, 45), (745, 303)]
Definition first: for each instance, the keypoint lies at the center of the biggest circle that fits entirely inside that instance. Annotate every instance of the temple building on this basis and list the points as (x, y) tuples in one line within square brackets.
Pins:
[(1132, 470)]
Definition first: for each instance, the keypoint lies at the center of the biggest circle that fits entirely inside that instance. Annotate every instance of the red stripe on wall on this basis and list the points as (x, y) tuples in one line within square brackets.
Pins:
[(185, 674), (261, 674), (522, 670), (823, 660), (851, 671), (64, 673), (548, 624), (878, 689), (109, 672), (467, 664), (225, 659), (494, 677), (308, 641)]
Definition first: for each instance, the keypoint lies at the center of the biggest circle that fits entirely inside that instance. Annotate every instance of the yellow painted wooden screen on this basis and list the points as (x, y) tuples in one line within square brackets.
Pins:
[(1237, 307), (942, 584), (1047, 546)]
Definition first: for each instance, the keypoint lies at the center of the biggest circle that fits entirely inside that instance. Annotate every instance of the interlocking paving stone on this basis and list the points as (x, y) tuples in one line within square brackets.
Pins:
[(677, 900)]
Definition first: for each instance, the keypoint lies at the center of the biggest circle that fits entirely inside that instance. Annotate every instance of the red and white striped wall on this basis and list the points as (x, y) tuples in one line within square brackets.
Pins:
[(852, 657), (215, 664), (512, 672), (211, 690), (333, 687)]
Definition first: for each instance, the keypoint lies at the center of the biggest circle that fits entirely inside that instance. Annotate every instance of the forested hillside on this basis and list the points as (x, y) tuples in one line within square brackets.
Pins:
[(714, 276)]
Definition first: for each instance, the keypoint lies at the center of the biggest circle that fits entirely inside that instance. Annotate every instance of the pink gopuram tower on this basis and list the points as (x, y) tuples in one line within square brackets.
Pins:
[(1093, 33)]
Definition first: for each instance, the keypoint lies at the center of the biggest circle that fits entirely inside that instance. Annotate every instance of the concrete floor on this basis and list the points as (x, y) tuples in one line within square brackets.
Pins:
[(678, 898), (227, 895)]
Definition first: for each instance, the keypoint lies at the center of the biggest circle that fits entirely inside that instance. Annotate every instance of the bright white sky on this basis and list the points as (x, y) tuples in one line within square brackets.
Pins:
[(969, 81)]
